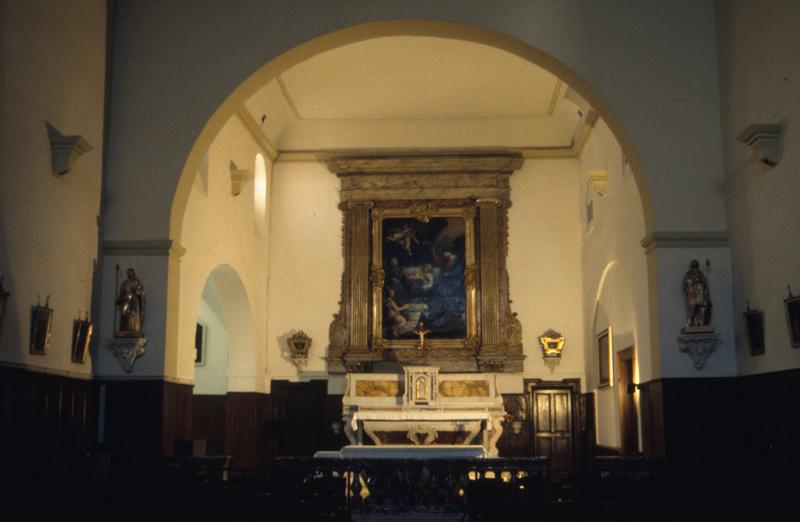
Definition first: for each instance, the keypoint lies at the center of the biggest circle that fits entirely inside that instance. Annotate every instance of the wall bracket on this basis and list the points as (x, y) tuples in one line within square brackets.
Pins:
[(65, 149), (765, 140)]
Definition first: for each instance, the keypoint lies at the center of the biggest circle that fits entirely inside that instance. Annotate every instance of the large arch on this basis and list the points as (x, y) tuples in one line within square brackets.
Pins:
[(657, 91), (372, 30)]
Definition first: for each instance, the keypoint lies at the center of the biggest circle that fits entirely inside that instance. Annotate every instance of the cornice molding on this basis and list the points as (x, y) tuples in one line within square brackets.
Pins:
[(711, 239), (566, 151), (143, 247), (501, 162)]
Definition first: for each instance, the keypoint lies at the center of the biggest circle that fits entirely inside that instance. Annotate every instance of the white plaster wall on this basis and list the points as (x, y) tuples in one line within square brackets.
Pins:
[(53, 67), (544, 264), (211, 378), (760, 74), (305, 264), (653, 62), (221, 230), (614, 273), (650, 63)]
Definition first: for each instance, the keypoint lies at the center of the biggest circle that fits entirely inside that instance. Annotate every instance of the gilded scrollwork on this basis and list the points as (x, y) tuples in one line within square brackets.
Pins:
[(471, 277), (470, 211), (422, 211), (513, 329), (472, 343), (377, 344), (376, 276), (337, 333)]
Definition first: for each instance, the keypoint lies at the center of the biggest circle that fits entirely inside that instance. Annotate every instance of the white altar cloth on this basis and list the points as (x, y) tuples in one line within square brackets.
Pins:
[(405, 451)]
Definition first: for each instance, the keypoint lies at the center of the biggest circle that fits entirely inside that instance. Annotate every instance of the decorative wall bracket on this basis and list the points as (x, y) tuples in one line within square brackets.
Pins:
[(699, 346), (65, 149), (765, 140), (127, 350), (299, 343), (552, 344), (238, 178)]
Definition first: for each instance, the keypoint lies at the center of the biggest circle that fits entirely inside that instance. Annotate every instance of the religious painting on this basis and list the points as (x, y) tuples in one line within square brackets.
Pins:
[(81, 338), (793, 319), (423, 264), (199, 344), (754, 327), (604, 357), (41, 323)]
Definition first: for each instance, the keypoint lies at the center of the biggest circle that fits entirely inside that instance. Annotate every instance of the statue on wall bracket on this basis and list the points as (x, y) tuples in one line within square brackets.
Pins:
[(425, 240), (129, 341), (697, 337)]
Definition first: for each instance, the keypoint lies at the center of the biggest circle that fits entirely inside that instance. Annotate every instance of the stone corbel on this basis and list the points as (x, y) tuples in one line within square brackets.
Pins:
[(127, 350), (765, 140), (238, 179), (699, 346), (65, 149), (597, 182)]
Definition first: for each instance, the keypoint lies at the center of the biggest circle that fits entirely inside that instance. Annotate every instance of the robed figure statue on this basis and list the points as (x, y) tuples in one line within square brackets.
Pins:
[(130, 303), (698, 296)]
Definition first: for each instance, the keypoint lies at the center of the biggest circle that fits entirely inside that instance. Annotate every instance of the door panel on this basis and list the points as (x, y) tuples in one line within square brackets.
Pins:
[(300, 412), (553, 431), (629, 422)]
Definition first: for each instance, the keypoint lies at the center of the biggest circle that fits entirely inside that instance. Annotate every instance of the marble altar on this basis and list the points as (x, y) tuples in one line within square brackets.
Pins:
[(423, 408)]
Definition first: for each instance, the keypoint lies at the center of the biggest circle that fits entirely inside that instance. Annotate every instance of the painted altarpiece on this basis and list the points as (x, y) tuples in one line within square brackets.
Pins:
[(425, 246)]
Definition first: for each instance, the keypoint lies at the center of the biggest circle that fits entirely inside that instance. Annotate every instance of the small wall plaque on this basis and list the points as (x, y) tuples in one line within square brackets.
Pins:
[(754, 327), (81, 338), (792, 304), (41, 324)]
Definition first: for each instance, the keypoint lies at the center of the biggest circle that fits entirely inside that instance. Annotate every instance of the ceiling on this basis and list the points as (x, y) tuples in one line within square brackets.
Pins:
[(414, 92)]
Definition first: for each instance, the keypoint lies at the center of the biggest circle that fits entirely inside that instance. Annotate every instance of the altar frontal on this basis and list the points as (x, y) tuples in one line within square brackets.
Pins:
[(423, 408)]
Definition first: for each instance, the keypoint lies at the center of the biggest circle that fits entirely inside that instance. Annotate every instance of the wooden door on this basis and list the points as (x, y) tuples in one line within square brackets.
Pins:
[(552, 426), (299, 412), (629, 422)]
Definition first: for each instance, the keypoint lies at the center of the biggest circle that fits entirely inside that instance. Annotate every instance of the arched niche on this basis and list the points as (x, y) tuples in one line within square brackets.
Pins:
[(229, 355)]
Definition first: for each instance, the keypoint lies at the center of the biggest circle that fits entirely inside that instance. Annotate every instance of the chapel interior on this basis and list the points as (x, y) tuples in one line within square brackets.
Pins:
[(368, 261)]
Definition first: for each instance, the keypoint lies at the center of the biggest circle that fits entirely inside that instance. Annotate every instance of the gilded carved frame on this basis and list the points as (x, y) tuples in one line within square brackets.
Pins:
[(431, 210), (474, 187)]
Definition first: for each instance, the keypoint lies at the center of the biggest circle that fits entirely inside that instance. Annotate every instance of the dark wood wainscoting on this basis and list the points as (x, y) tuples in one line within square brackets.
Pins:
[(208, 424), (47, 422), (706, 421), (769, 414), (246, 437), (254, 428), (145, 421), (299, 413), (651, 409)]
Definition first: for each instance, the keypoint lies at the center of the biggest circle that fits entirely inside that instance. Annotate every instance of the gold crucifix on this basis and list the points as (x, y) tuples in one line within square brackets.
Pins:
[(422, 332)]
